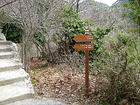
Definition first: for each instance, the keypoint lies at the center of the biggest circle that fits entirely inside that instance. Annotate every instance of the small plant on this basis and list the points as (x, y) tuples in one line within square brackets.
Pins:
[(35, 81), (44, 65), (35, 71)]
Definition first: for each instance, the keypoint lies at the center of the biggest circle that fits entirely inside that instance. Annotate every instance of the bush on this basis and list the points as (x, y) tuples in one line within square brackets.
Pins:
[(13, 32), (118, 71)]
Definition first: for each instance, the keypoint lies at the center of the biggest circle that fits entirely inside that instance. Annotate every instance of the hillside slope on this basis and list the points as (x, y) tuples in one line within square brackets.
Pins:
[(103, 15)]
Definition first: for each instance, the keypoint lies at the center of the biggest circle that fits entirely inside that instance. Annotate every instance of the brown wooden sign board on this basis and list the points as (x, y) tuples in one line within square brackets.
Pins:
[(83, 47), (83, 38)]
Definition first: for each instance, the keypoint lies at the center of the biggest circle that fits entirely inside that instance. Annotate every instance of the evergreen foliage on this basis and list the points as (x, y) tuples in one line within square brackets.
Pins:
[(13, 32)]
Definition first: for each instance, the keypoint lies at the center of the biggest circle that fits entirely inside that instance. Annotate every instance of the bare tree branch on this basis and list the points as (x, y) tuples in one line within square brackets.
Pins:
[(7, 4)]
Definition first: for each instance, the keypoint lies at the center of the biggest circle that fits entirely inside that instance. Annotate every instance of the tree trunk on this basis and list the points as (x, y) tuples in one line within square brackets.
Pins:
[(77, 7)]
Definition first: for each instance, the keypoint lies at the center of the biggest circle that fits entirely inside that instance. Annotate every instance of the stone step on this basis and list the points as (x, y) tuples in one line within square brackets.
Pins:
[(15, 92), (6, 55), (7, 65), (9, 77), (5, 42), (5, 48)]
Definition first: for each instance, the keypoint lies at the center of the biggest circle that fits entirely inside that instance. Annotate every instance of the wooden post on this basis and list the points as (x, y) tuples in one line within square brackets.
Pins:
[(87, 64), (87, 73)]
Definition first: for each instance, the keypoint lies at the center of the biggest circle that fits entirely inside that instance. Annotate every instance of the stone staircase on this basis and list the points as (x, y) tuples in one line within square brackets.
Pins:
[(15, 83)]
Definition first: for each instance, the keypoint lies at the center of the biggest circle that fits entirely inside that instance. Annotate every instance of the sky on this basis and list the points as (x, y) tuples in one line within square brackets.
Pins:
[(108, 2)]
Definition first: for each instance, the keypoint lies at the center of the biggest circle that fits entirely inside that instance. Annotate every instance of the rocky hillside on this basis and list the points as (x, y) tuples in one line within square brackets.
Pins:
[(119, 3), (98, 13), (103, 15)]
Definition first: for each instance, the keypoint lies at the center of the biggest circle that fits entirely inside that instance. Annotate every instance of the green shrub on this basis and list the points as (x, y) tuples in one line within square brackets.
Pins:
[(13, 32), (118, 70)]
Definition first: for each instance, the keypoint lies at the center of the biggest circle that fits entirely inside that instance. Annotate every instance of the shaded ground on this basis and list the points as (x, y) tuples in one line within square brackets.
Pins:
[(60, 82)]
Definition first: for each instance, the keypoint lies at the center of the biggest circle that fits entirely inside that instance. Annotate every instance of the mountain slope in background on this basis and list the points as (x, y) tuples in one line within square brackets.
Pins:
[(103, 15), (98, 13)]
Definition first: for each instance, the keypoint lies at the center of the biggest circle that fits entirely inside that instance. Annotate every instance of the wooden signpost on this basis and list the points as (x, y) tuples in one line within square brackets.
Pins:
[(85, 47), (83, 38)]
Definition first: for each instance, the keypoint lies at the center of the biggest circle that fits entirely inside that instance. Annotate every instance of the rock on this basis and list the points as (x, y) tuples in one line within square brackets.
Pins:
[(2, 37), (124, 102)]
